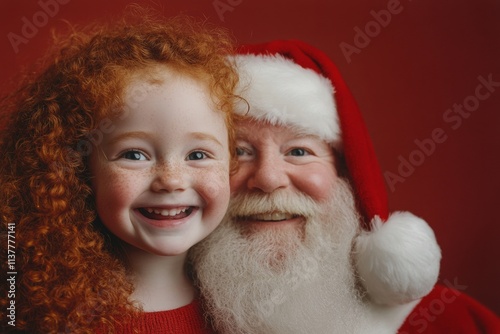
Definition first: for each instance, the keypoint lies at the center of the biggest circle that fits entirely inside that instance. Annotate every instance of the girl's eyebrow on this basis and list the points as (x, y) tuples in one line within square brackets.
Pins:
[(145, 135), (132, 134), (205, 136)]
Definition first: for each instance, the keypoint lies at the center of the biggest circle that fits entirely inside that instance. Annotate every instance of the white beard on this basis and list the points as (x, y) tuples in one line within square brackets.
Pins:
[(283, 281)]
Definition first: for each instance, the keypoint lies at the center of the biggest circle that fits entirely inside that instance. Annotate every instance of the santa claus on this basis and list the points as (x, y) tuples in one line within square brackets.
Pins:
[(307, 244)]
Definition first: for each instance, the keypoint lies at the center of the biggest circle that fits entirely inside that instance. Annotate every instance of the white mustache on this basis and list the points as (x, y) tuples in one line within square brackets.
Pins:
[(250, 203)]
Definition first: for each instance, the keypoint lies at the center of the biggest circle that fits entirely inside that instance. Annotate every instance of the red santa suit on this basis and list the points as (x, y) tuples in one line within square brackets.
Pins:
[(447, 310)]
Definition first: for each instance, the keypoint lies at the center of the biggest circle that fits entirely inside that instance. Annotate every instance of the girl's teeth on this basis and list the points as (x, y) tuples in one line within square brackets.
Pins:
[(167, 212)]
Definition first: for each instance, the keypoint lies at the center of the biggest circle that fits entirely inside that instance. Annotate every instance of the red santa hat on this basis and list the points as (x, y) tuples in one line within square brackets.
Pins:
[(294, 84)]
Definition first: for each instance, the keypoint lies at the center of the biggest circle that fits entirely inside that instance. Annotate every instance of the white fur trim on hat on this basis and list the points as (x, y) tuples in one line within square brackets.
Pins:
[(398, 261), (282, 92)]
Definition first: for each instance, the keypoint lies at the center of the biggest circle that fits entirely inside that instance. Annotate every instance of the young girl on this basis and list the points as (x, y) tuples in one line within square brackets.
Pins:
[(115, 161)]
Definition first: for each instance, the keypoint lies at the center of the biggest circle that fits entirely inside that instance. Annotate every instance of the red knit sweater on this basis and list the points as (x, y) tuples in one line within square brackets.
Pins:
[(184, 320)]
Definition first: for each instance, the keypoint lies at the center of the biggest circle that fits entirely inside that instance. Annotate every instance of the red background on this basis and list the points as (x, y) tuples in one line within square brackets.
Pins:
[(426, 59)]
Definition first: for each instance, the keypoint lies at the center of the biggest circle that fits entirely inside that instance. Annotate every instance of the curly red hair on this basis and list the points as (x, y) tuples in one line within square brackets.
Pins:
[(69, 276)]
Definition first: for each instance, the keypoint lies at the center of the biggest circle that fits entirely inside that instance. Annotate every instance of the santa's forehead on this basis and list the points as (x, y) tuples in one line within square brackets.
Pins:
[(257, 128)]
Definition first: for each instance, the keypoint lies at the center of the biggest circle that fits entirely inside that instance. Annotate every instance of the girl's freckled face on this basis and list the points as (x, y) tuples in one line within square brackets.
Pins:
[(161, 177)]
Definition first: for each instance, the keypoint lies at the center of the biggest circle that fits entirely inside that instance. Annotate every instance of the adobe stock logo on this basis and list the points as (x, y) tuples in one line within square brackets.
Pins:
[(422, 316), (94, 138), (454, 118), (222, 6), (363, 37), (30, 26)]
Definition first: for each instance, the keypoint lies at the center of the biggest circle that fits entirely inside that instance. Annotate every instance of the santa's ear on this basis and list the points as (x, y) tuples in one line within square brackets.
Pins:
[(397, 261)]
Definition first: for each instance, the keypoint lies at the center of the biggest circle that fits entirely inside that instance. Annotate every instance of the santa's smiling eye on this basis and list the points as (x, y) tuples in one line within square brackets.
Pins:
[(242, 151), (298, 152), (239, 151)]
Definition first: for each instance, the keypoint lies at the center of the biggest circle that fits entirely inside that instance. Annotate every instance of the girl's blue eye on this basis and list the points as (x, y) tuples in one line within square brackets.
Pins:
[(134, 155), (298, 152), (197, 155)]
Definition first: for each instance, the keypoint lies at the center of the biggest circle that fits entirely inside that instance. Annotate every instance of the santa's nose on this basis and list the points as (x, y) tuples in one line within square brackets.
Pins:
[(268, 174)]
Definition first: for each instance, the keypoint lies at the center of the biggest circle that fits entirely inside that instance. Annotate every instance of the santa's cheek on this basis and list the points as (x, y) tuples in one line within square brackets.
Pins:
[(239, 179), (238, 182), (316, 184)]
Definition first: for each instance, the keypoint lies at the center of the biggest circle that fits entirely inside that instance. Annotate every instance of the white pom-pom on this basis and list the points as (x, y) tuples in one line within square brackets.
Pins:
[(398, 261)]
